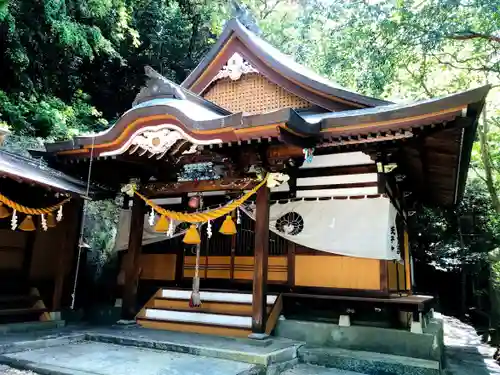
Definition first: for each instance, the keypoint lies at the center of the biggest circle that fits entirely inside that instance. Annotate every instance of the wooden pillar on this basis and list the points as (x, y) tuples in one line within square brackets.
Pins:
[(132, 258), (72, 222), (407, 262), (179, 264), (260, 261), (28, 254), (384, 276), (291, 264)]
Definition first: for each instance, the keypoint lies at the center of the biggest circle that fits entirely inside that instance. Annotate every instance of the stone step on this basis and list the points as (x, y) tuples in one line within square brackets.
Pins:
[(367, 362), (258, 352), (305, 369), (31, 326)]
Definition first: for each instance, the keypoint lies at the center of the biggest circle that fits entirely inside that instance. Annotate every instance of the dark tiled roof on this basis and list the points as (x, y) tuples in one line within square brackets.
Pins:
[(279, 62), (17, 166)]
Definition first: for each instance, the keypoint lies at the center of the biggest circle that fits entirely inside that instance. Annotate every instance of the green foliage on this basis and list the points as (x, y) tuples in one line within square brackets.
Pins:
[(69, 67), (49, 116), (410, 49), (101, 222), (451, 238)]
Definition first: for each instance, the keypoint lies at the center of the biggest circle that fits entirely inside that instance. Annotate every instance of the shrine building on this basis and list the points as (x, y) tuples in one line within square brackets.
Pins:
[(40, 222), (257, 189)]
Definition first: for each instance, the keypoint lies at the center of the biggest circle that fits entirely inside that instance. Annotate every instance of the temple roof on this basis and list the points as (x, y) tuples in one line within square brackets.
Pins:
[(199, 124), (170, 125), (18, 167), (276, 66)]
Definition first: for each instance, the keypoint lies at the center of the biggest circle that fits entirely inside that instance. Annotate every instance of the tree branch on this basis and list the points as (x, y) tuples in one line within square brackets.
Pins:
[(479, 174), (468, 35)]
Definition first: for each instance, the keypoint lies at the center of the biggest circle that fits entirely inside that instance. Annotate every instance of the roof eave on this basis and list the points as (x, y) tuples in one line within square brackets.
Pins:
[(233, 26)]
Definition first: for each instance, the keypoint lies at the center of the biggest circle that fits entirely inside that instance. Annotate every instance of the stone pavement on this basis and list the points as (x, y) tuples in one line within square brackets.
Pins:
[(303, 369), (465, 354), (109, 359), (6, 370), (81, 354)]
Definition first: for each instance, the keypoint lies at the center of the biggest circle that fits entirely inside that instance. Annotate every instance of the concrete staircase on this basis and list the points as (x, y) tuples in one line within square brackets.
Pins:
[(221, 313)]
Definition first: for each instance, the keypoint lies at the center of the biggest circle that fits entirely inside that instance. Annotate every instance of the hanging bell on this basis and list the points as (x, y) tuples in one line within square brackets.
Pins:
[(51, 220), (228, 227), (162, 224), (27, 225), (192, 237), (4, 212)]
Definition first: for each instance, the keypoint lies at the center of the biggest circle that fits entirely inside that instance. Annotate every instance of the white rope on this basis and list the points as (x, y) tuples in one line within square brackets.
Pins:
[(82, 226)]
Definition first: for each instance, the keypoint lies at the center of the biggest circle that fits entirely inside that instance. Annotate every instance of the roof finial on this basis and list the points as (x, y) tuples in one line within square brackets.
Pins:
[(157, 86), (243, 14)]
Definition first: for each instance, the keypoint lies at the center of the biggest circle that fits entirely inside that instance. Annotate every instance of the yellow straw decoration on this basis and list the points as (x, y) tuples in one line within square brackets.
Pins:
[(4, 212), (30, 211), (27, 224), (161, 225), (228, 227), (192, 237), (201, 217)]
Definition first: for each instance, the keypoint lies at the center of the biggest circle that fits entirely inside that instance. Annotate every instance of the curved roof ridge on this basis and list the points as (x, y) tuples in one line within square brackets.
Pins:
[(280, 62)]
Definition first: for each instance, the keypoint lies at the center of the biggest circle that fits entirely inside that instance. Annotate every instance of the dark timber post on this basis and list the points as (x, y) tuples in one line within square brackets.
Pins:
[(132, 258), (260, 261), (73, 215)]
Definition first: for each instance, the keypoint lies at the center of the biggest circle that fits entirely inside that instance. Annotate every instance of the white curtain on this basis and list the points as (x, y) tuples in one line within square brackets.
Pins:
[(352, 227)]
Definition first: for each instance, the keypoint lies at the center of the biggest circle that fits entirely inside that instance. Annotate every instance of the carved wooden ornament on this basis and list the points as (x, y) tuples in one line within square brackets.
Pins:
[(158, 140), (235, 68)]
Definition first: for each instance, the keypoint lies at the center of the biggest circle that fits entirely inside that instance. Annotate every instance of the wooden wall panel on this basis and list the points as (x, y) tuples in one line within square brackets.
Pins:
[(392, 274), (12, 239), (401, 274), (157, 266), (11, 259), (277, 268), (215, 267), (219, 267), (46, 252), (337, 272), (11, 249)]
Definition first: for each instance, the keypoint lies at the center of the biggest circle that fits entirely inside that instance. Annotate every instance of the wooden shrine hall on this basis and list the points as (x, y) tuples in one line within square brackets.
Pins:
[(273, 188), (40, 217)]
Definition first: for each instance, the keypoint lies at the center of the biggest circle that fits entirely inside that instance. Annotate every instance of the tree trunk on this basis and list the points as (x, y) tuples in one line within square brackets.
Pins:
[(486, 160)]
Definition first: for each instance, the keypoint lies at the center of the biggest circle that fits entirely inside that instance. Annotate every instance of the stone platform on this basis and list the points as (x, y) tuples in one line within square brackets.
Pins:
[(84, 350), (427, 345)]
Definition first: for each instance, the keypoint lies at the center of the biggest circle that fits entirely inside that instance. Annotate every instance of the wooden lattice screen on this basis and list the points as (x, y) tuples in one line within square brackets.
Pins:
[(252, 93)]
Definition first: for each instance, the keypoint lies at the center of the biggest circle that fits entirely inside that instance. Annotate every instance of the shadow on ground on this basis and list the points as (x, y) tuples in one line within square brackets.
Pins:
[(465, 353)]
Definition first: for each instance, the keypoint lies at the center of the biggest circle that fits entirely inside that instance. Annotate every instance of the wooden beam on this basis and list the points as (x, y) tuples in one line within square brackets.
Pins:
[(340, 186), (68, 247), (337, 171), (259, 313), (132, 258), (156, 189)]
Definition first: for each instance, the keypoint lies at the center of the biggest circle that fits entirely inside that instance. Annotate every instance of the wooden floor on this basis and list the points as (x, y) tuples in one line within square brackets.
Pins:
[(411, 302)]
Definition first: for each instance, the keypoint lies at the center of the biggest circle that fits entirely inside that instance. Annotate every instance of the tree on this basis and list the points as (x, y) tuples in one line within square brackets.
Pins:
[(72, 67)]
